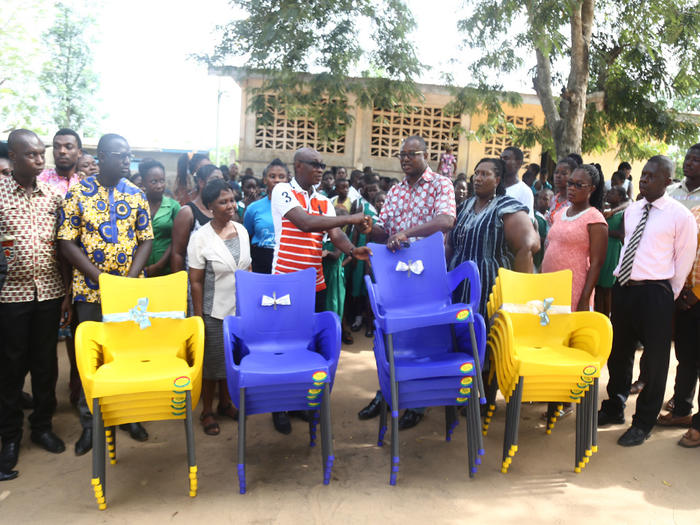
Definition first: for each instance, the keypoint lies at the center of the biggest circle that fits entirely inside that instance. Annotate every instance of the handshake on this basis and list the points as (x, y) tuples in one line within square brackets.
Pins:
[(363, 222)]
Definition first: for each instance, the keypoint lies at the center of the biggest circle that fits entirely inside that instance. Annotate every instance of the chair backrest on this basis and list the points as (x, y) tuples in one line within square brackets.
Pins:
[(519, 288), (398, 289), (165, 294), (266, 321)]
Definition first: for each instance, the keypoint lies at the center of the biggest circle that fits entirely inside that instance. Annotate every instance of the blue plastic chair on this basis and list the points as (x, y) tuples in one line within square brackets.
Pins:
[(280, 355), (428, 350)]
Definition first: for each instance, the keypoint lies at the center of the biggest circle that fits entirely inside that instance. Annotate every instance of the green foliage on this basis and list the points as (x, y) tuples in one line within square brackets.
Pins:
[(21, 100), (644, 57), (67, 77), (281, 38)]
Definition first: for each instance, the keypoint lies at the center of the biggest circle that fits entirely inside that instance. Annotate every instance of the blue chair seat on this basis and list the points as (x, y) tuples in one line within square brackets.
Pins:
[(259, 369), (433, 366)]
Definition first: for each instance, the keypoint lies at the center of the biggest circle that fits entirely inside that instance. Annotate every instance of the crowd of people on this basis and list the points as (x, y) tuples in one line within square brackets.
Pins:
[(60, 228)]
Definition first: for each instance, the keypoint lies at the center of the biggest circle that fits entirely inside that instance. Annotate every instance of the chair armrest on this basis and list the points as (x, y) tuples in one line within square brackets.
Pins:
[(372, 295), (195, 342), (89, 339), (467, 270), (326, 339), (592, 332)]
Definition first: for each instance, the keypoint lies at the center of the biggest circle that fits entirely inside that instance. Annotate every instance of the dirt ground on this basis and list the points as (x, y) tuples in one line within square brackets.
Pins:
[(654, 483)]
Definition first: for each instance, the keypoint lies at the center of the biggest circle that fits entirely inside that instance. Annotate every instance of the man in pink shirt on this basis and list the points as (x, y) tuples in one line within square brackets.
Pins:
[(67, 149), (658, 253)]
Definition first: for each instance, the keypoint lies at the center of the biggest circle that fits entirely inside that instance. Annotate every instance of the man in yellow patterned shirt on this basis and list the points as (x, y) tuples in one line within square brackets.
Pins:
[(104, 226)]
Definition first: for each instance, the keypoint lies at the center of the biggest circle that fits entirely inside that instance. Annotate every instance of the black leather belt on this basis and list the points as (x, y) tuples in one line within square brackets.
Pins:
[(663, 283)]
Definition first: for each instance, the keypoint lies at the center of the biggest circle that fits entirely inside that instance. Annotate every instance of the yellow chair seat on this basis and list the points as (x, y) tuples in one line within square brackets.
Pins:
[(129, 375)]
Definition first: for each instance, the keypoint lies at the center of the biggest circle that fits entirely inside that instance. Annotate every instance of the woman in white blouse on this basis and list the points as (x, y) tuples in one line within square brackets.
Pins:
[(214, 253)]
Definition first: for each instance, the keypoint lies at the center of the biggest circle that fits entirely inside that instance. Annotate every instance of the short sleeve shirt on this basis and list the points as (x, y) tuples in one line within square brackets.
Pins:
[(407, 206), (110, 223), (680, 192), (294, 249), (59, 184), (27, 231)]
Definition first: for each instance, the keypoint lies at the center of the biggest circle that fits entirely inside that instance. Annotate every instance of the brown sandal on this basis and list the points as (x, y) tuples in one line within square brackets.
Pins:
[(230, 411), (688, 441), (211, 428)]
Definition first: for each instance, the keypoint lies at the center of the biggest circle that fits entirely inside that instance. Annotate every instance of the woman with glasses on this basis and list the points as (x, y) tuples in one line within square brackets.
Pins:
[(493, 230), (578, 238)]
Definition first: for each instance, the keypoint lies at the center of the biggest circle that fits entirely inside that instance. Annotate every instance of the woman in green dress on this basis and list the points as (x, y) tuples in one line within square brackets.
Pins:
[(616, 197), (163, 210)]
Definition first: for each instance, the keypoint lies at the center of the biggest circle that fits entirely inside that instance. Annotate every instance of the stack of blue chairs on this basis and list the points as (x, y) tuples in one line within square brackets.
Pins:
[(280, 355), (428, 350)]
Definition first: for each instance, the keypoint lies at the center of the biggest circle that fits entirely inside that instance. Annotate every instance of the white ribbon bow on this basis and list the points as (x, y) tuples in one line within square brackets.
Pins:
[(140, 316), (273, 301), (410, 267), (543, 309)]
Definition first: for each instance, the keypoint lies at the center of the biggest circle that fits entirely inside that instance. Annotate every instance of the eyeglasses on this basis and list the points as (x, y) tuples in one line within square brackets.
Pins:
[(410, 154), (314, 164), (121, 156), (577, 185)]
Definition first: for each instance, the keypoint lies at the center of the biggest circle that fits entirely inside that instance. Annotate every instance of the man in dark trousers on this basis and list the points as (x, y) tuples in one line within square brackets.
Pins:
[(32, 300), (658, 253)]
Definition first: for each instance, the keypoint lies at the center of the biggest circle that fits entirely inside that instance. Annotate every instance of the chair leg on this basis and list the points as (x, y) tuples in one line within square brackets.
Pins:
[(451, 421), (382, 422), (476, 422), (552, 410), (477, 363), (98, 456), (579, 438), (471, 449), (513, 417), (327, 435), (241, 440), (313, 421), (490, 401), (394, 412), (189, 434), (594, 417), (587, 452), (111, 436)]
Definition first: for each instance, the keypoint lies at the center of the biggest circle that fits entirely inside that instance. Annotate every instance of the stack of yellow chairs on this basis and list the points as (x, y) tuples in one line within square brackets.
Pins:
[(542, 352), (142, 363)]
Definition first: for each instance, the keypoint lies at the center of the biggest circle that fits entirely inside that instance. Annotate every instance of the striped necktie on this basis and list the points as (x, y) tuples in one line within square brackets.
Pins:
[(628, 260)]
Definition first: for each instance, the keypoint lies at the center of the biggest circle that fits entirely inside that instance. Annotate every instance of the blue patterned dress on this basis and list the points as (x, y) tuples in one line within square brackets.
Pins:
[(480, 237)]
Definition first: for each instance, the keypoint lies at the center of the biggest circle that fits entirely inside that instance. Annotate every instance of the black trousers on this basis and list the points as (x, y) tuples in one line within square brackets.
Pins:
[(262, 259), (28, 344), (320, 301), (687, 343), (86, 312), (640, 313)]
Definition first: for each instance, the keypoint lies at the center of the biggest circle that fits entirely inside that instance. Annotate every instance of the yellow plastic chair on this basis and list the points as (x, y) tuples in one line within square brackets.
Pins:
[(142, 363), (543, 352)]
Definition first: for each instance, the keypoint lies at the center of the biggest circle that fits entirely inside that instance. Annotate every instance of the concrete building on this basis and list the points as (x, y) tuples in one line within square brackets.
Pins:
[(374, 137)]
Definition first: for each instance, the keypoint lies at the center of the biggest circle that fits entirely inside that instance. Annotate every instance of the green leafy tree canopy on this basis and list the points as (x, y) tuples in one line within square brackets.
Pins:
[(67, 77), (279, 39)]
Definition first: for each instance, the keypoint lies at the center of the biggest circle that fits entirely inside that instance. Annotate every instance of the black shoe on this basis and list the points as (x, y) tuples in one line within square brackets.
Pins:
[(49, 441), (409, 419), (369, 332), (84, 443), (304, 415), (605, 419), (633, 436), (281, 422), (7, 476), (9, 455), (27, 402), (371, 410), (136, 431)]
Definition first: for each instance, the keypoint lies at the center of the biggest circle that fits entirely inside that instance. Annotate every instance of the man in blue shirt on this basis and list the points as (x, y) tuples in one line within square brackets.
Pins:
[(258, 219)]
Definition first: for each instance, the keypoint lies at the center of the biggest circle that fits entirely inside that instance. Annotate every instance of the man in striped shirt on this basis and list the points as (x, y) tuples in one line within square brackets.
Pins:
[(301, 216)]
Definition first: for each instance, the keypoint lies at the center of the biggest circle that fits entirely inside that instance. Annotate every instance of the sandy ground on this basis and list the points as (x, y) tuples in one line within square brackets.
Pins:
[(654, 483)]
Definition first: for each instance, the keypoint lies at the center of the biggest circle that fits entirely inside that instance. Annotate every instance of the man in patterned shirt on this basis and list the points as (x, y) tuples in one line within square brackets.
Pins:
[(105, 226), (420, 205), (32, 300)]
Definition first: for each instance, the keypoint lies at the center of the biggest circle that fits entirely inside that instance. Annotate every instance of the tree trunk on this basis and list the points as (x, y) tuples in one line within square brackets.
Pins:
[(566, 122)]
